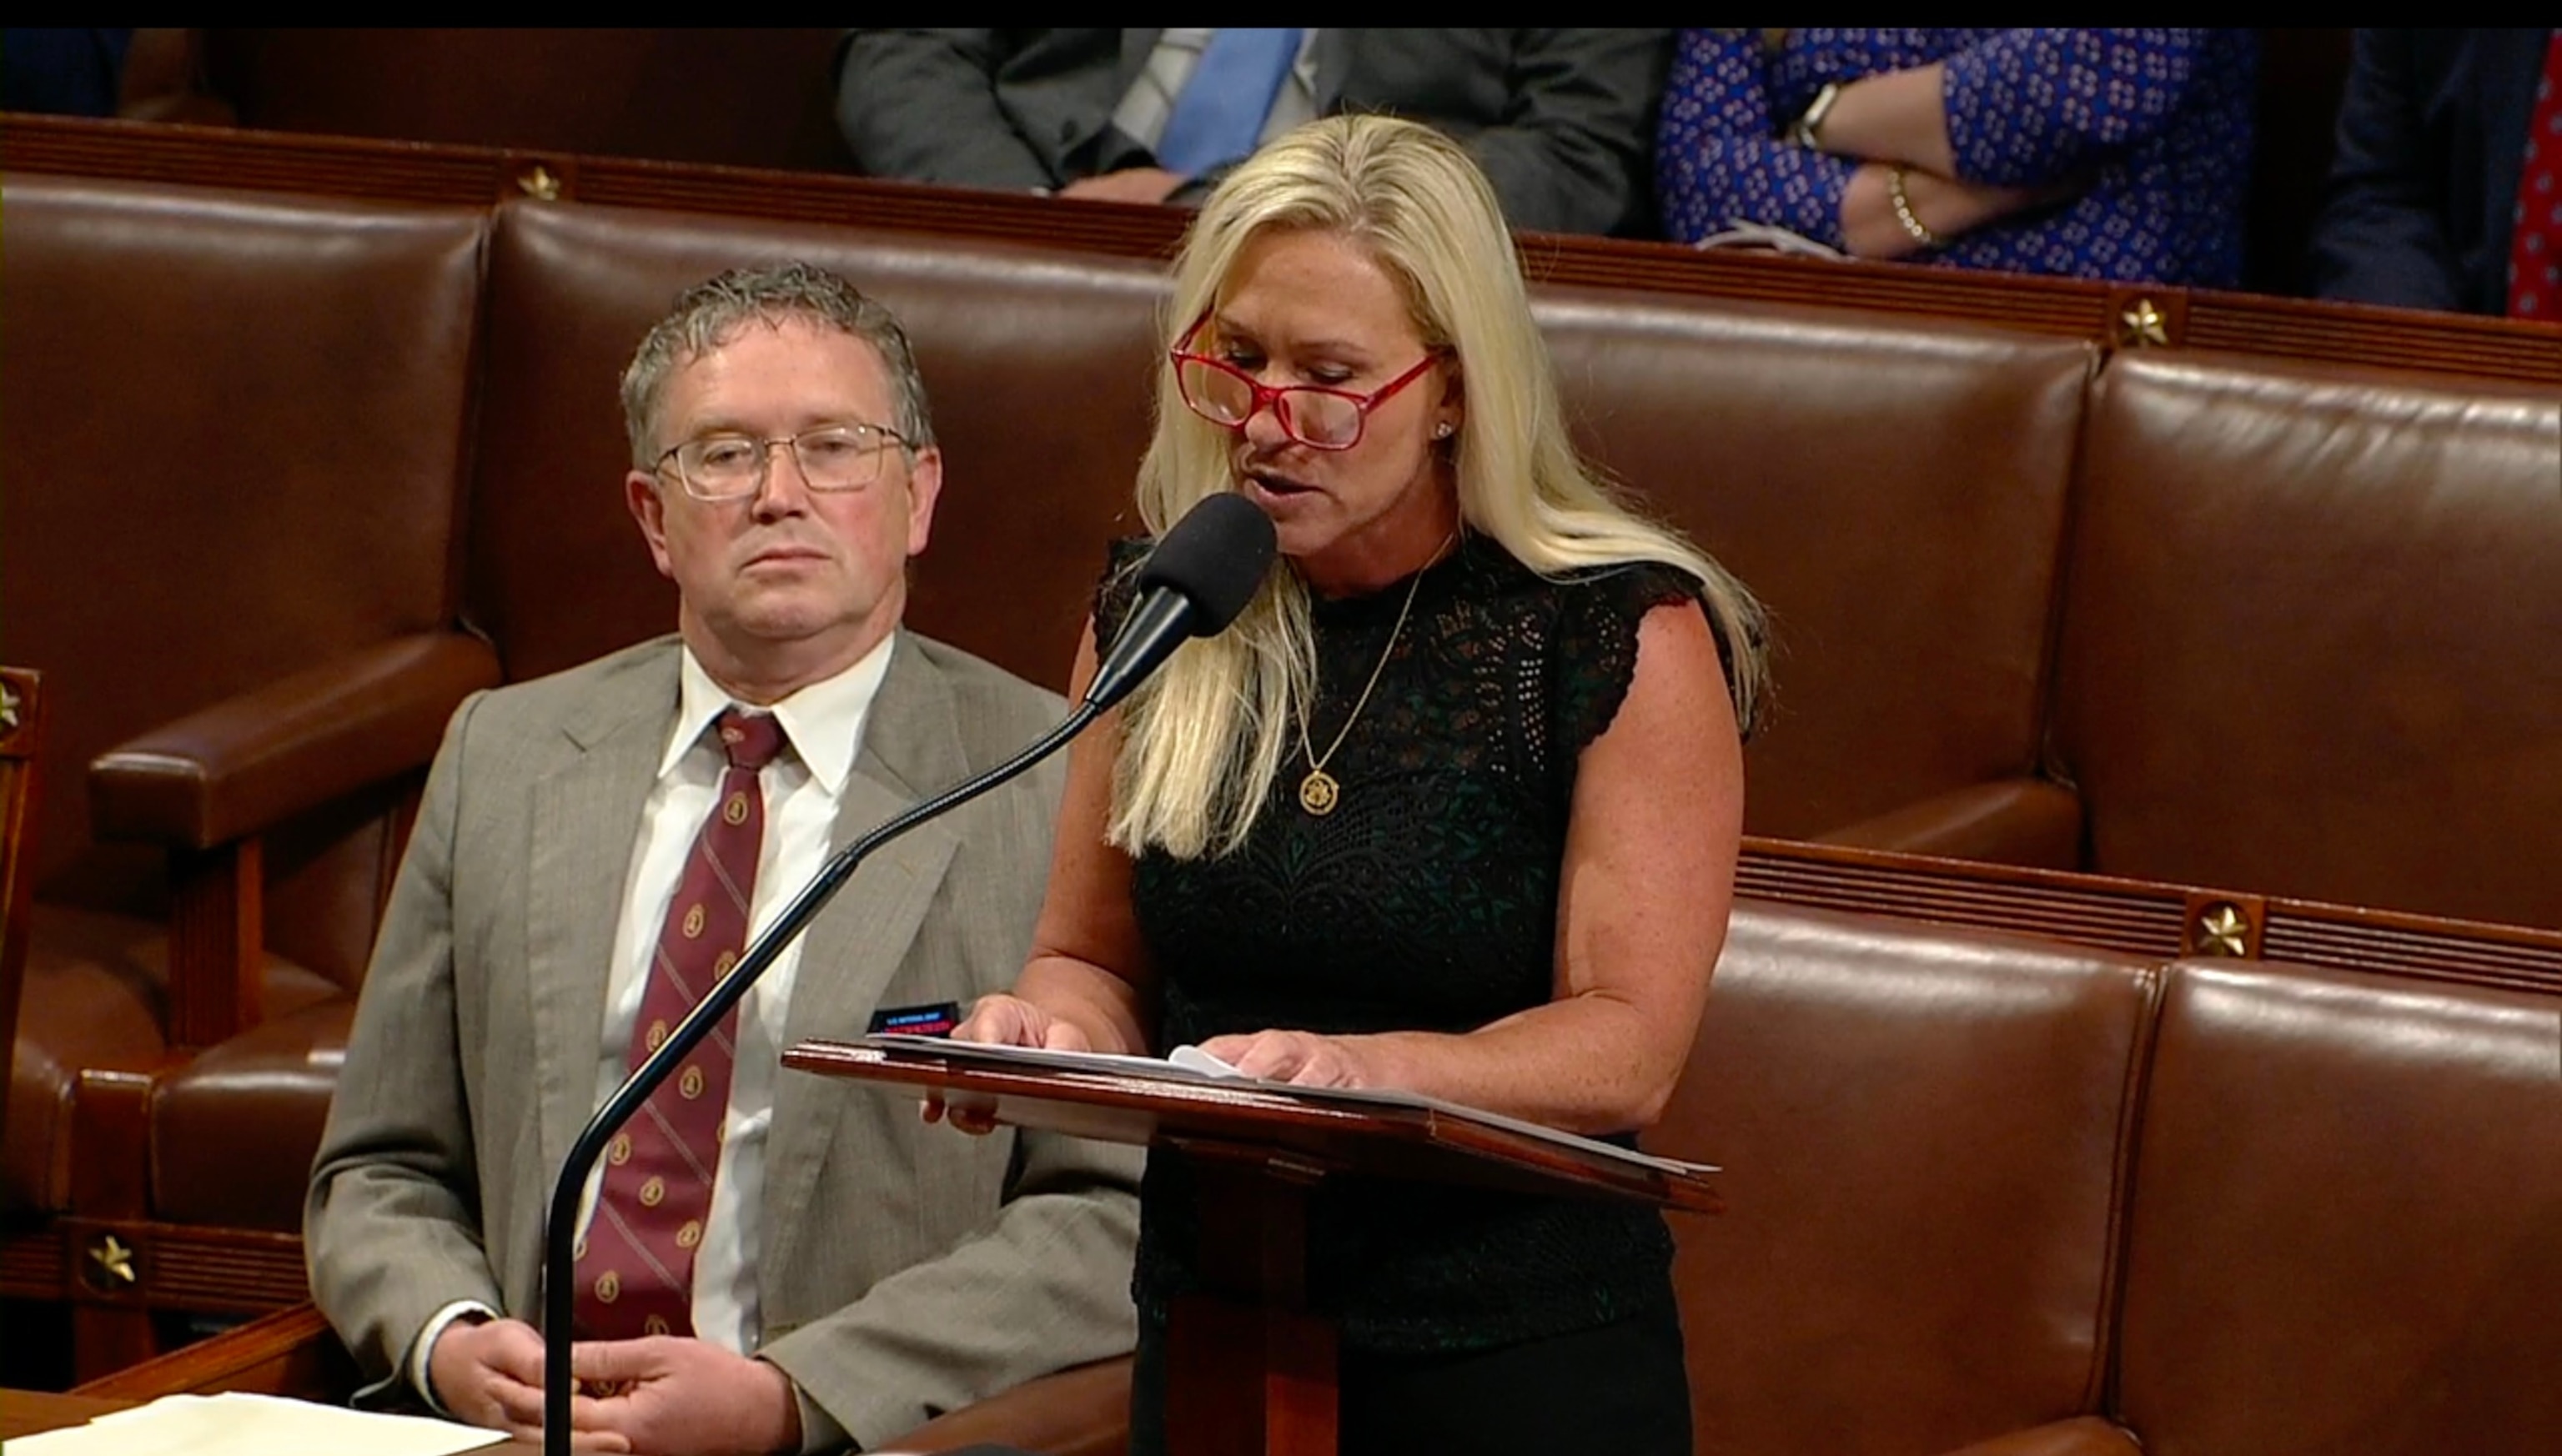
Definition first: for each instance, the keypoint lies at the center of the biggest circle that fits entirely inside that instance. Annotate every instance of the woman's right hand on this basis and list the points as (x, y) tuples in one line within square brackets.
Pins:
[(1002, 1019)]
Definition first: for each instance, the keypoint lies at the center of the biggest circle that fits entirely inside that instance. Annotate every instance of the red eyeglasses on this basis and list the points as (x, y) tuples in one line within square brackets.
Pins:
[(1316, 417)]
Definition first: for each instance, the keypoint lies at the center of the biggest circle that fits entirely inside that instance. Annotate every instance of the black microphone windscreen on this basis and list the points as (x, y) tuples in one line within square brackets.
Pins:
[(1215, 557)]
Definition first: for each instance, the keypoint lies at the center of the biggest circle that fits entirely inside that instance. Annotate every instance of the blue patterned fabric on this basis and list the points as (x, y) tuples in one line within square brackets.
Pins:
[(2159, 122)]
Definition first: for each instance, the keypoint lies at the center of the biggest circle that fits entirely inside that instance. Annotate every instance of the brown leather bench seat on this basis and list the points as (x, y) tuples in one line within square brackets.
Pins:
[(95, 1001), (2020, 1199), (2345, 1228), (235, 423), (2312, 637), (219, 1122), (1895, 490), (1925, 1134), (2001, 1196)]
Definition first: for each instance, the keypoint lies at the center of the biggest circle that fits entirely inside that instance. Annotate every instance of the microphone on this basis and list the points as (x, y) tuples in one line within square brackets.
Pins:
[(1192, 585), (1200, 575)]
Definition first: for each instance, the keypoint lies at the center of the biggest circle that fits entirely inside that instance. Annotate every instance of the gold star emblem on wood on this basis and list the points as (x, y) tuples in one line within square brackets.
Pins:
[(2142, 324), (111, 1263), (2222, 930)]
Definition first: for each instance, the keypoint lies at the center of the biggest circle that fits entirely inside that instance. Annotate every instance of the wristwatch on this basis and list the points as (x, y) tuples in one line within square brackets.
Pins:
[(1802, 130)]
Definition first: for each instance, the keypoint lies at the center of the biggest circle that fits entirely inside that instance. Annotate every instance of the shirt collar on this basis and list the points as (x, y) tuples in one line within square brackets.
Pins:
[(822, 722)]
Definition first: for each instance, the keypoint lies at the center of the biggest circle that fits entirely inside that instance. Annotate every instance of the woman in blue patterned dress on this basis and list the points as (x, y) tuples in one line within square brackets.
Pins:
[(2117, 154)]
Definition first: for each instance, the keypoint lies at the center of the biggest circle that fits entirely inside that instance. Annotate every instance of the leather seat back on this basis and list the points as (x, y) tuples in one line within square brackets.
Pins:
[(2346, 1229), (2310, 636), (1925, 1136), (232, 432), (1894, 492)]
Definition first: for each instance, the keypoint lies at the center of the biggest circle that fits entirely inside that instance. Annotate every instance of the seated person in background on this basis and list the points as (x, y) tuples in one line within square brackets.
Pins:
[(65, 71), (146, 75), (2446, 190), (1452, 808), (769, 1261), (1559, 118), (2116, 154)]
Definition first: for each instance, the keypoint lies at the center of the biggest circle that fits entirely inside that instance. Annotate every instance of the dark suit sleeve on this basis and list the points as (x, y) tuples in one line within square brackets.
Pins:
[(921, 106), (1570, 154), (2381, 238)]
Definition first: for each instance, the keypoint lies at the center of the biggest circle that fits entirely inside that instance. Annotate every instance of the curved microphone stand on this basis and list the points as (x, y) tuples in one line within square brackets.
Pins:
[(559, 1291)]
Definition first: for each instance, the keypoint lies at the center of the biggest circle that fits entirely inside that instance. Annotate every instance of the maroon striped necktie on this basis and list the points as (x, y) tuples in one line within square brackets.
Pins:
[(636, 1264)]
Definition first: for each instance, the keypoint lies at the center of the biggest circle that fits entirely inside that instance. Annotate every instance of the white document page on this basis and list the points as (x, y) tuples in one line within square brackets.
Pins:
[(237, 1424)]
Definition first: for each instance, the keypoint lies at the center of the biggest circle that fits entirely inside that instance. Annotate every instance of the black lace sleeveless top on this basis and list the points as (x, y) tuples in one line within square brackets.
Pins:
[(1425, 901)]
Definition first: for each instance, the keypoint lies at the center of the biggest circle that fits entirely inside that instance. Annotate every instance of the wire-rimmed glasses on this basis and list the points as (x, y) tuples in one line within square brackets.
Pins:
[(729, 466), (1311, 413)]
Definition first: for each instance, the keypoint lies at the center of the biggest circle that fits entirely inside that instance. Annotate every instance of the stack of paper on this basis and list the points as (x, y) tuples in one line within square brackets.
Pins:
[(236, 1425)]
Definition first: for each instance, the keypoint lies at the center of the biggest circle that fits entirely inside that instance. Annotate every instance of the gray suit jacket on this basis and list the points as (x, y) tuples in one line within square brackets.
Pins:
[(1563, 120), (906, 1269)]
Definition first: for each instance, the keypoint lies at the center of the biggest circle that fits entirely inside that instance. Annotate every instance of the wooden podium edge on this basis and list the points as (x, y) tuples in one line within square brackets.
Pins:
[(1121, 1108)]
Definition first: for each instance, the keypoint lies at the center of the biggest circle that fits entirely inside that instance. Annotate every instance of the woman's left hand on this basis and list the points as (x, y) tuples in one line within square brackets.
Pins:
[(1301, 1058)]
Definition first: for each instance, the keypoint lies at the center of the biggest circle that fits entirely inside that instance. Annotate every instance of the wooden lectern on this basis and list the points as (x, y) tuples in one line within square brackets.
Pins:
[(1251, 1368)]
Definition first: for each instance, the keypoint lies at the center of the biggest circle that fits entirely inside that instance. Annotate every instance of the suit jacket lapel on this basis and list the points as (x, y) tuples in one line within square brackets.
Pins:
[(911, 749), (587, 818), (1332, 53)]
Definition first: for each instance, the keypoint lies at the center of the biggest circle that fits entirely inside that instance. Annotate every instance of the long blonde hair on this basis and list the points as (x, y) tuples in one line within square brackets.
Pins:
[(1204, 738)]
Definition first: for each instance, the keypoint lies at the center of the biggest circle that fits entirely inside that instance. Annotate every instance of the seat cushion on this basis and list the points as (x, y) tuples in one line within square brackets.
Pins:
[(96, 996), (233, 1131)]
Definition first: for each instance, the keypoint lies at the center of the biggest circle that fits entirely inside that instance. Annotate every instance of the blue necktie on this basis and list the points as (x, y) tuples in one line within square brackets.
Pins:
[(1219, 115)]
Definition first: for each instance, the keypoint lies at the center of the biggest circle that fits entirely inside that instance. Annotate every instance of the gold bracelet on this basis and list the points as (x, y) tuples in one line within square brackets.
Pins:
[(1903, 208)]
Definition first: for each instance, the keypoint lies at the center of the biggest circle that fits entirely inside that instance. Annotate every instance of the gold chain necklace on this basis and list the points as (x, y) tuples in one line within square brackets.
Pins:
[(1318, 792)]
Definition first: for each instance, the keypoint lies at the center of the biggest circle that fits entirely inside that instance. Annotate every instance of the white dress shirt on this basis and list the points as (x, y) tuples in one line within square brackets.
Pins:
[(822, 727)]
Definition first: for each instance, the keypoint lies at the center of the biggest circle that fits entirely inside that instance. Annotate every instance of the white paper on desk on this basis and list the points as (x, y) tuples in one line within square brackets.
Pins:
[(237, 1424), (1191, 1064), (1193, 1059), (1036, 1056)]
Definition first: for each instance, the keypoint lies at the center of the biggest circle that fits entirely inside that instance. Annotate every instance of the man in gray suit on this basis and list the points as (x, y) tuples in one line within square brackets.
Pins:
[(846, 1272), (1561, 121)]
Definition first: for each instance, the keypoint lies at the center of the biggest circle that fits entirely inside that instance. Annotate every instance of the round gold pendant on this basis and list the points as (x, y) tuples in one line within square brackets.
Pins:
[(1318, 793)]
